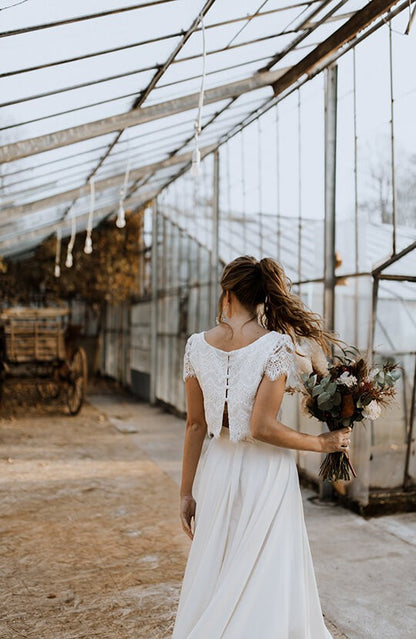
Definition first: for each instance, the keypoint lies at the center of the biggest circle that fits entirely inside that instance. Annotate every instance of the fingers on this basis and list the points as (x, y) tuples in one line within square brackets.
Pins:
[(344, 440), (186, 526)]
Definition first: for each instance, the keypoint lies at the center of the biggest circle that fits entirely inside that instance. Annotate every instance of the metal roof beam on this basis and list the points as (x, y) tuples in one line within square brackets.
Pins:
[(360, 20), (17, 150), (168, 36), (100, 185), (92, 16), (271, 102)]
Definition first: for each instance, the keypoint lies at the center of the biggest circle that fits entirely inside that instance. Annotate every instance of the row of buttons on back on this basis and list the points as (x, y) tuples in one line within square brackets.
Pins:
[(227, 379)]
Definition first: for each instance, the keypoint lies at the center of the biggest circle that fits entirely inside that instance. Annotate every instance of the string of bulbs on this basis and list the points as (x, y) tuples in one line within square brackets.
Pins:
[(121, 214)]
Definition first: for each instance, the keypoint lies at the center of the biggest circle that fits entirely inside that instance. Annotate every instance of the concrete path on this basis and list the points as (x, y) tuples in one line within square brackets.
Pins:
[(365, 569)]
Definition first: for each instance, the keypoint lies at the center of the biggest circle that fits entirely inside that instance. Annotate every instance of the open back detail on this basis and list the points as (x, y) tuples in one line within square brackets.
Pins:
[(229, 379)]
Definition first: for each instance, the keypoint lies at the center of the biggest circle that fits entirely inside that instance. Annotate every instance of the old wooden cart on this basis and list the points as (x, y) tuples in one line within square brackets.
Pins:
[(34, 350)]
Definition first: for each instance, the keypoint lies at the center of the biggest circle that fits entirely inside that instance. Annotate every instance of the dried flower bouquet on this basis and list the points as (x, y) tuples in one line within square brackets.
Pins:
[(341, 393)]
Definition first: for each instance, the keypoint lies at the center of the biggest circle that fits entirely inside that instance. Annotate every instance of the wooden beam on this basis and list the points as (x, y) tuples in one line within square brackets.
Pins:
[(359, 21), (17, 150), (100, 185)]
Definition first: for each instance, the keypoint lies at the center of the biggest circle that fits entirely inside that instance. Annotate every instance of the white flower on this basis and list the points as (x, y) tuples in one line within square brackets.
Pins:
[(347, 380), (372, 410)]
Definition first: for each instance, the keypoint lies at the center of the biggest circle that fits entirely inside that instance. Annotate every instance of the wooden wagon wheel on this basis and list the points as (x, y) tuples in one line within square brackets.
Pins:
[(77, 381)]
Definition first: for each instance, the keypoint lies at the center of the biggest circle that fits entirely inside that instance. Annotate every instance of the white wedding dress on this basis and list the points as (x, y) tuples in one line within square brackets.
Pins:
[(249, 573)]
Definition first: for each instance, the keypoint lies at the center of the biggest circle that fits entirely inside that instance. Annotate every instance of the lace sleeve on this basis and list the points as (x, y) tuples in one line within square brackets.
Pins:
[(188, 369), (281, 361)]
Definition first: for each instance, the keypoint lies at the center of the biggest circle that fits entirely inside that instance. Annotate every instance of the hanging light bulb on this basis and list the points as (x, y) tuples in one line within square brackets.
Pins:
[(88, 240), (57, 271), (196, 161), (196, 154), (88, 244), (121, 217), (69, 259)]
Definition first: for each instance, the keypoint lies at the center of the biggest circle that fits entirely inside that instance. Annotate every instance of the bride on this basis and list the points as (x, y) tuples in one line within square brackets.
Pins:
[(249, 573)]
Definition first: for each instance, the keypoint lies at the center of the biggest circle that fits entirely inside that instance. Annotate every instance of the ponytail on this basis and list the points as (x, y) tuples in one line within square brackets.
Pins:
[(285, 311), (264, 282)]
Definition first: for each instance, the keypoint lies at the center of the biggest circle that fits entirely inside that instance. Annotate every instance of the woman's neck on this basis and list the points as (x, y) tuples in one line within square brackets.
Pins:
[(238, 320)]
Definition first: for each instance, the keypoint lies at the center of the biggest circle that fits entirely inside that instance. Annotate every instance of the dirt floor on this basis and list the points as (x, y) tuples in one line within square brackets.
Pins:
[(90, 542)]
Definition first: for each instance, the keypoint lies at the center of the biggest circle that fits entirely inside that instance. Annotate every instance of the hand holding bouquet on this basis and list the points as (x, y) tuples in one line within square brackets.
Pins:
[(342, 393)]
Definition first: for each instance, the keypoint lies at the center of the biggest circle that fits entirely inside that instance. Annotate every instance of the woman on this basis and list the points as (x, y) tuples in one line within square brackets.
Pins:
[(249, 573)]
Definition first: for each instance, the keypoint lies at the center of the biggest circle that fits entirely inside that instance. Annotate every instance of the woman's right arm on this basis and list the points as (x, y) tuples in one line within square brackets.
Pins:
[(265, 427), (196, 429)]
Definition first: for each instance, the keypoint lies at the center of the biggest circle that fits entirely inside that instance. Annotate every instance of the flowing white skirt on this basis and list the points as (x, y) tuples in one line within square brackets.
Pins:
[(249, 573)]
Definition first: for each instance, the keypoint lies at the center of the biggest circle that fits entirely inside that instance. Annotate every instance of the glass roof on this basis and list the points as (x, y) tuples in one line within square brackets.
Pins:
[(67, 65)]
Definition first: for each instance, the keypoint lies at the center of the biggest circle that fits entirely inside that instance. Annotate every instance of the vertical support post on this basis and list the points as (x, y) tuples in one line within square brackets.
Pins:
[(299, 193), (154, 303), (372, 328), (356, 234), (407, 478), (392, 142), (215, 237), (331, 77), (330, 194), (142, 248)]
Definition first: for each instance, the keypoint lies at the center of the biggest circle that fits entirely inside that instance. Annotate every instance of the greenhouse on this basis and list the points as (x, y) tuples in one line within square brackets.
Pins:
[(144, 146), (285, 131)]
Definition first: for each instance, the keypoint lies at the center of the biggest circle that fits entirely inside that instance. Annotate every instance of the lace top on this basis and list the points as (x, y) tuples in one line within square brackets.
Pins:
[(233, 377)]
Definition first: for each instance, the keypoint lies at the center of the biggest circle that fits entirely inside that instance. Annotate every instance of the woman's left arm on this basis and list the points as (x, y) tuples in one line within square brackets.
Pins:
[(195, 432)]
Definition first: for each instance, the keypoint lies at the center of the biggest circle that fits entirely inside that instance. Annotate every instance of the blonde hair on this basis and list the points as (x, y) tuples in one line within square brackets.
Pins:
[(265, 282)]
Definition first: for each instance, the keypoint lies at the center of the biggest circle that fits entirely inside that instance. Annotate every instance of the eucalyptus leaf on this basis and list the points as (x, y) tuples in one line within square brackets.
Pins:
[(395, 374), (323, 399), (337, 398), (332, 387)]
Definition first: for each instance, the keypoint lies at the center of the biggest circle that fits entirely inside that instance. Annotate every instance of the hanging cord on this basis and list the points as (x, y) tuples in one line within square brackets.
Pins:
[(88, 240), (121, 216), (57, 272), (196, 154), (279, 230), (69, 259), (259, 184), (243, 191)]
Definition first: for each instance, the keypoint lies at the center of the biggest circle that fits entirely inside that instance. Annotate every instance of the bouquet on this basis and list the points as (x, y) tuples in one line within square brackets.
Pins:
[(343, 392)]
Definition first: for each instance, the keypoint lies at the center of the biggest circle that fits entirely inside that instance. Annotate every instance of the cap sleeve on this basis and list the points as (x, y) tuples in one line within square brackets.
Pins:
[(188, 369), (281, 361)]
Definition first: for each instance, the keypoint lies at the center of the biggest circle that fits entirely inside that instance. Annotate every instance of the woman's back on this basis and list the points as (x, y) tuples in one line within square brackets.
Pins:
[(229, 377)]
